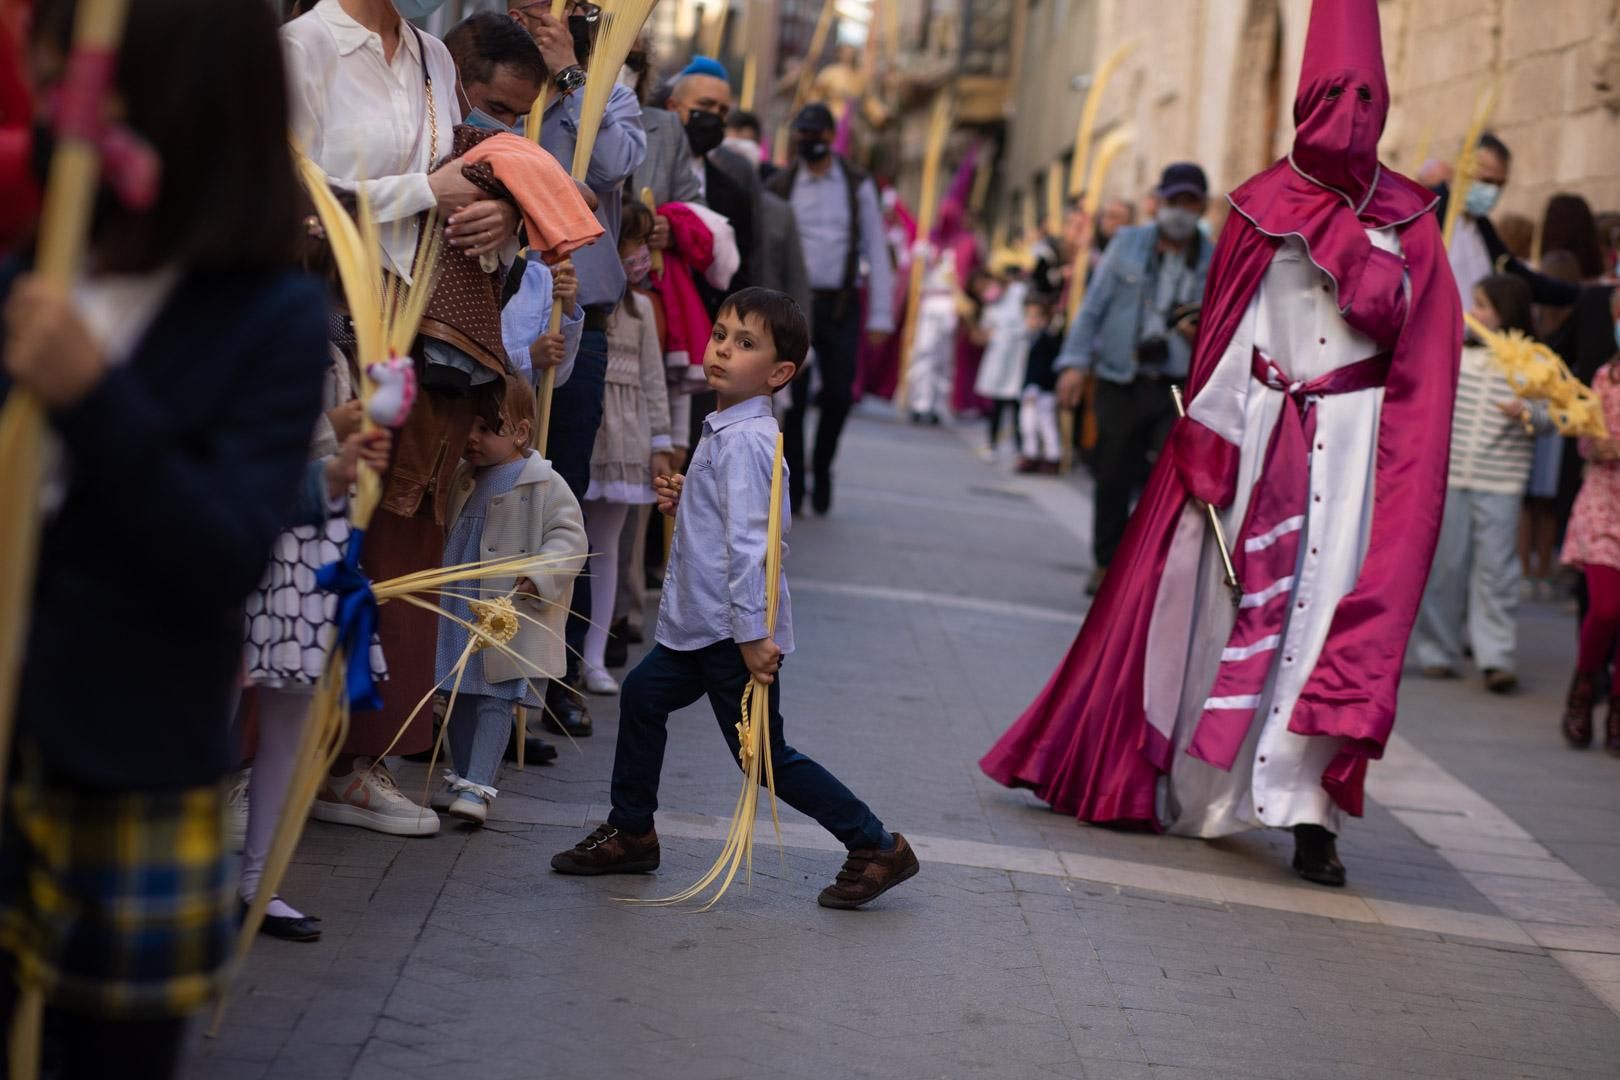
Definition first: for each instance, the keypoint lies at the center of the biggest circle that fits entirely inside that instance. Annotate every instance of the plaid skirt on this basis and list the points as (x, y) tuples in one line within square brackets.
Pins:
[(118, 904)]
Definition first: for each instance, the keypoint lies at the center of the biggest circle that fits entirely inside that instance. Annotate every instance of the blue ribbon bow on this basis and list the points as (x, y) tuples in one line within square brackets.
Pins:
[(356, 620)]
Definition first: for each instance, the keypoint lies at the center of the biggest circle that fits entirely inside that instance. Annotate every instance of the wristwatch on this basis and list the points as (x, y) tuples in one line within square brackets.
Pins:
[(569, 79)]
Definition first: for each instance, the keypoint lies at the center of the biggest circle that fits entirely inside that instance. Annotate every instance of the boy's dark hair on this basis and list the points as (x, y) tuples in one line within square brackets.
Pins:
[(790, 333), (1510, 296), (195, 76), (635, 221), (743, 120), (482, 42), (1490, 142)]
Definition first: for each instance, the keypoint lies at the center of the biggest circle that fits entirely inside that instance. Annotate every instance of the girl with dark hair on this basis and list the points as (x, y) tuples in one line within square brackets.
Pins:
[(1476, 575), (182, 379), (1569, 225)]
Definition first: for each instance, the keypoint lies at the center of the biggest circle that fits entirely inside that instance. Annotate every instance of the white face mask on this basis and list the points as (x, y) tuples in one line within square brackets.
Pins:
[(1177, 222), (1481, 199), (744, 148), (627, 77)]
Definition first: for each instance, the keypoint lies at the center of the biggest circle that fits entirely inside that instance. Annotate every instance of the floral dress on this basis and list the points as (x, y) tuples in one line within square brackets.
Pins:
[(1593, 537)]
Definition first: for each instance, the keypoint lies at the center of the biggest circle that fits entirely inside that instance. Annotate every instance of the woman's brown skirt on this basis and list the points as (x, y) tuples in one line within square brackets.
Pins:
[(395, 546)]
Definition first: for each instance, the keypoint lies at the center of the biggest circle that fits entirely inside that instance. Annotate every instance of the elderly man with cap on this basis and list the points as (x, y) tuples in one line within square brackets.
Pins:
[(1135, 333), (840, 225)]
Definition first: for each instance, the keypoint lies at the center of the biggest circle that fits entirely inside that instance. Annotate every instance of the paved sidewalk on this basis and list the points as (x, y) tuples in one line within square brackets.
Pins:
[(1476, 939)]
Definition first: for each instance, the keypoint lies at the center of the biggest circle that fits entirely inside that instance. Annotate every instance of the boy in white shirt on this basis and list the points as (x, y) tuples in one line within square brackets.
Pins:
[(712, 636)]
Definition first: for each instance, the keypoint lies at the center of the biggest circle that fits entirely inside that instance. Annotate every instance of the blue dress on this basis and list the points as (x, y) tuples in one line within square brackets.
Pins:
[(463, 544)]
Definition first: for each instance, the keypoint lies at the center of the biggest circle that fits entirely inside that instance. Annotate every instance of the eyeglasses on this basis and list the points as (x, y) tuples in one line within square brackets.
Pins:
[(591, 13)]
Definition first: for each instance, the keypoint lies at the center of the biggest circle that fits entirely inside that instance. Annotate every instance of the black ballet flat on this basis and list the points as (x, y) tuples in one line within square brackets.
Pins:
[(305, 928), (1316, 856)]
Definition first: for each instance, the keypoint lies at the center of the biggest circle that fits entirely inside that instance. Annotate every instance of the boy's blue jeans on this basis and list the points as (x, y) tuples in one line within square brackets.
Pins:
[(667, 680)]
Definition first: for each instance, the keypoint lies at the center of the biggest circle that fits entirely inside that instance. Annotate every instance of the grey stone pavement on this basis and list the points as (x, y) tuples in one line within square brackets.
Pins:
[(1480, 936)]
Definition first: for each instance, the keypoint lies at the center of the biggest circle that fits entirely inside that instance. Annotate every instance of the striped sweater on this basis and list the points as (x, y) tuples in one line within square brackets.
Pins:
[(1490, 452)]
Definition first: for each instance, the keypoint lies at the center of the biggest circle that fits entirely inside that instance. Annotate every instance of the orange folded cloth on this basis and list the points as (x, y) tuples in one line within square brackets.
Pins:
[(555, 217)]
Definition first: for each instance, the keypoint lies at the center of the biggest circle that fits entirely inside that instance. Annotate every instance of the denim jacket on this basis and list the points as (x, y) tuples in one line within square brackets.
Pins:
[(1103, 336)]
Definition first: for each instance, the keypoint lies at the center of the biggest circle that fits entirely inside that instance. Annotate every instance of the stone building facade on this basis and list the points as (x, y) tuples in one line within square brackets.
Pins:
[(1213, 81)]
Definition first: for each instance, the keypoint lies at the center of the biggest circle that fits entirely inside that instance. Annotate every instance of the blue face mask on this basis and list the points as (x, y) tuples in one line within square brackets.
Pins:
[(417, 9), (1481, 198), (1617, 335), (478, 118)]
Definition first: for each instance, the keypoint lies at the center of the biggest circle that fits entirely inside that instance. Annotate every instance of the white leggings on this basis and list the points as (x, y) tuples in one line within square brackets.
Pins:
[(282, 715), (604, 521), (1037, 423)]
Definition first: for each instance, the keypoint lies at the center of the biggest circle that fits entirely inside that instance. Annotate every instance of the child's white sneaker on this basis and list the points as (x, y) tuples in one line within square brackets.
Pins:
[(470, 807), (369, 798)]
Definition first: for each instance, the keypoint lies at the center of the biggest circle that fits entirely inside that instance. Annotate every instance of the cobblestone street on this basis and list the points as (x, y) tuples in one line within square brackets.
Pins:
[(1479, 937)]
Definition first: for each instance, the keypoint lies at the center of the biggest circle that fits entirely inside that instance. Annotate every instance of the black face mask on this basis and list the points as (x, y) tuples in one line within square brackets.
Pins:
[(704, 131), (580, 27), (813, 149)]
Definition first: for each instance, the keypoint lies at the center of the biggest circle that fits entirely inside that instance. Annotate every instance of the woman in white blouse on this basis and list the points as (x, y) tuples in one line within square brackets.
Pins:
[(374, 103)]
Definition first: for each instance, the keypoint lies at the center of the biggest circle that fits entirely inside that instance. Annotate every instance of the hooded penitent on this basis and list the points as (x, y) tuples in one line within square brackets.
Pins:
[(953, 233), (1090, 744)]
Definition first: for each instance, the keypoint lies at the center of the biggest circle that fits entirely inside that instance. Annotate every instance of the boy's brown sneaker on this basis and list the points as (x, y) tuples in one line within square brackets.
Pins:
[(868, 874), (609, 851)]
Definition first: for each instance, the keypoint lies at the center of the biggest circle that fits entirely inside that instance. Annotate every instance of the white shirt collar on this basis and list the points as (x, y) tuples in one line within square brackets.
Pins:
[(350, 35), (754, 407)]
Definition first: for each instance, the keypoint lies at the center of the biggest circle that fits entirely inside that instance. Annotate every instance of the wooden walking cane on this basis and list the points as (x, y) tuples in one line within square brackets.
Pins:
[(1230, 571), (70, 189)]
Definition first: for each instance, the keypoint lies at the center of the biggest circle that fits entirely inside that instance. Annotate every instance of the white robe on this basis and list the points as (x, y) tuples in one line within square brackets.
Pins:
[(933, 348), (1276, 778)]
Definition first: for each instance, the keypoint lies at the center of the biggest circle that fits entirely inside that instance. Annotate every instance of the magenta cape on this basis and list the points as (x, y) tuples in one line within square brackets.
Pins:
[(1084, 746)]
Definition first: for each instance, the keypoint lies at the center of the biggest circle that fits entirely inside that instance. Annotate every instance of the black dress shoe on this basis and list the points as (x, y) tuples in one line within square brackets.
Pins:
[(566, 713), (617, 652), (1316, 857), (304, 928)]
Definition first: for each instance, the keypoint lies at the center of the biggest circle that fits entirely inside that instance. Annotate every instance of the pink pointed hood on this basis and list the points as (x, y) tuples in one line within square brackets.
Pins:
[(1343, 99)]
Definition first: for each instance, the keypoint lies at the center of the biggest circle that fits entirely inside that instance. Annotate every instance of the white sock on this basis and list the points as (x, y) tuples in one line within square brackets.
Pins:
[(278, 908)]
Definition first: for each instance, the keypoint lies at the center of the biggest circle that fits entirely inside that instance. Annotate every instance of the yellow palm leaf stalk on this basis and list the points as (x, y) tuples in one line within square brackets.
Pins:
[(621, 24), (818, 44), (1536, 373), (537, 112), (753, 736), (1088, 115), (70, 189), (1054, 199), (385, 313), (750, 81), (715, 36), (1113, 144), (939, 129), (1464, 171)]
